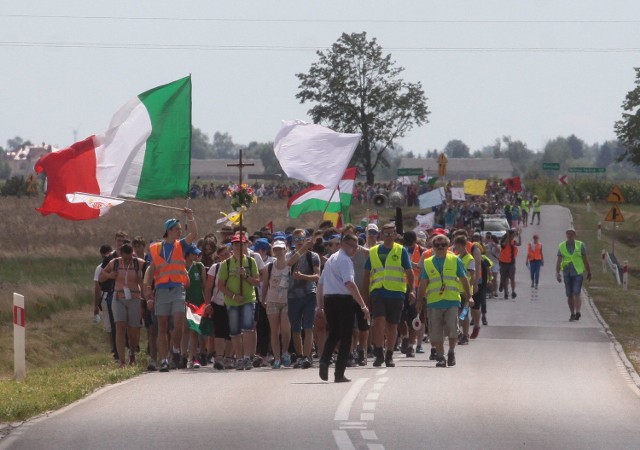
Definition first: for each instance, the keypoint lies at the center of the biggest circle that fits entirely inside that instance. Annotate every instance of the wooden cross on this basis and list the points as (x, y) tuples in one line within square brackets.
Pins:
[(240, 165)]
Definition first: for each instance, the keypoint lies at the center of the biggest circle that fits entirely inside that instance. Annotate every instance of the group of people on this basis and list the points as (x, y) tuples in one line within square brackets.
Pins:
[(240, 301)]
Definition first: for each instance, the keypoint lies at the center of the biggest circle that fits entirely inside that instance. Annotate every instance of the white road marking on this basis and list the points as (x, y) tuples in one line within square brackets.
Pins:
[(383, 379), (372, 396), (381, 372), (368, 406), (353, 427), (342, 440), (366, 416), (353, 423), (375, 446), (378, 386), (344, 408), (369, 435)]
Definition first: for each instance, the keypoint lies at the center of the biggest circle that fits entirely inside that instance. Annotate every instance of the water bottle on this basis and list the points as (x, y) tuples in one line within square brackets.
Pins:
[(464, 312)]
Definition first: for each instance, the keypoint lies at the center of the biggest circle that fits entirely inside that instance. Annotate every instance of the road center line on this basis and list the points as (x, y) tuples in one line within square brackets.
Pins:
[(344, 408), (372, 396), (342, 440)]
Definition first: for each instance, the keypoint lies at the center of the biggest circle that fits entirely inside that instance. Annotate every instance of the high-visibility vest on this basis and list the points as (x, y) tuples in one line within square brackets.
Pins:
[(574, 258), (391, 276), (173, 271), (435, 290), (536, 206), (415, 259), (524, 205), (466, 259), (534, 254), (505, 253)]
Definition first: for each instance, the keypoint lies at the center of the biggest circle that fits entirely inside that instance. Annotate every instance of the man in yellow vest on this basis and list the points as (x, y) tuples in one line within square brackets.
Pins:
[(524, 209), (168, 274), (387, 273), (535, 205), (440, 281), (572, 263)]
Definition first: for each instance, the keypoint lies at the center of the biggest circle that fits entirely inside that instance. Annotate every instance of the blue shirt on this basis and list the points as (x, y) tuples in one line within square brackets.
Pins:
[(439, 265), (406, 264)]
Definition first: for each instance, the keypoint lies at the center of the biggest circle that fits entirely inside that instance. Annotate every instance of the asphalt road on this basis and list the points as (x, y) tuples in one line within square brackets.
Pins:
[(531, 380)]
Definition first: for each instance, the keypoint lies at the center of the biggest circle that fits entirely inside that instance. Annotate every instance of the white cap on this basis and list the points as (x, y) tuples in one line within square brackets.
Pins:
[(373, 226)]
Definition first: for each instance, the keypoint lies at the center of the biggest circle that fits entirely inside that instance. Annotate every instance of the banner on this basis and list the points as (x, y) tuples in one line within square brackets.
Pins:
[(431, 199), (457, 193), (475, 187)]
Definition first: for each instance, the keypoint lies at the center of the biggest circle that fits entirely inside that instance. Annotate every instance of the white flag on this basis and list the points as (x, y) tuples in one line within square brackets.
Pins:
[(314, 153), (104, 204), (425, 221), (431, 199)]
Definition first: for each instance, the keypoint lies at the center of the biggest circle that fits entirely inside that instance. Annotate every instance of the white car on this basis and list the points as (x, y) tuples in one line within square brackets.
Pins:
[(496, 224)]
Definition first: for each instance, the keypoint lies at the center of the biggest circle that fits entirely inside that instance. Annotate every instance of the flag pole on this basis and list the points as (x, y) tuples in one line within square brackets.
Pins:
[(131, 200)]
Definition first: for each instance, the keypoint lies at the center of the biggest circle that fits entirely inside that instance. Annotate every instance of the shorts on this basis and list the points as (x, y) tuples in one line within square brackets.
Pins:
[(170, 301), (220, 322), (277, 308), (495, 268), (241, 318), (361, 321), (302, 312), (507, 270), (390, 308), (573, 284), (443, 322), (127, 311), (480, 298)]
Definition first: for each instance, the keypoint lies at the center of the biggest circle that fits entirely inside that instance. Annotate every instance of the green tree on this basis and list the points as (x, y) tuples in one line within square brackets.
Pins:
[(518, 153), (200, 147), (223, 146), (16, 143), (605, 156), (456, 149), (628, 128), (356, 88), (576, 146)]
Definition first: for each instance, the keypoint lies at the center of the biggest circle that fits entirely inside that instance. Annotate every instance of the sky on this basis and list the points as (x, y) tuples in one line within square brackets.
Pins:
[(531, 70)]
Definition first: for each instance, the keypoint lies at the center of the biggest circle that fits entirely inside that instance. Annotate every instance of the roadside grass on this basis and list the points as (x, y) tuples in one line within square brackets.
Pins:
[(619, 308)]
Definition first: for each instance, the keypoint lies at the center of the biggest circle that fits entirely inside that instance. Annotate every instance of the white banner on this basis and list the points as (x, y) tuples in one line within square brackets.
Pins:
[(431, 199), (457, 193)]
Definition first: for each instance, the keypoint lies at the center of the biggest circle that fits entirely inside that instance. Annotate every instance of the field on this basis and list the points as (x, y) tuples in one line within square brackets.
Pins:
[(51, 261)]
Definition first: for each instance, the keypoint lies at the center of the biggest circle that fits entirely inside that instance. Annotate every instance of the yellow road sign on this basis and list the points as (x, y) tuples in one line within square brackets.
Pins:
[(615, 196), (615, 215)]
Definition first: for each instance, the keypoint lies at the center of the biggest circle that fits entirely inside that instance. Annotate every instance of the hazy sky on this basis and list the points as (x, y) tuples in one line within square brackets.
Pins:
[(533, 70)]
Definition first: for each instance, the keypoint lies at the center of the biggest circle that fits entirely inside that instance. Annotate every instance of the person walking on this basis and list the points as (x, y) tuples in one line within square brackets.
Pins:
[(571, 264), (337, 292), (535, 260), (535, 205)]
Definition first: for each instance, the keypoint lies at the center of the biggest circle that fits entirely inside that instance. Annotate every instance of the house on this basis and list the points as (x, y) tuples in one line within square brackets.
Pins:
[(459, 169), (22, 159)]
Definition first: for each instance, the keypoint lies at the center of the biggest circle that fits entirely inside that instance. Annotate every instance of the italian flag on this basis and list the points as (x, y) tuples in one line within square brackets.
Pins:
[(319, 198), (194, 316), (144, 154)]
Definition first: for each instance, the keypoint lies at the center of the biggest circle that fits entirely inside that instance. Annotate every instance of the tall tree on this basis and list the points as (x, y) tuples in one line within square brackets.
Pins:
[(223, 146), (576, 146), (356, 88), (200, 147), (605, 156), (456, 149), (628, 128)]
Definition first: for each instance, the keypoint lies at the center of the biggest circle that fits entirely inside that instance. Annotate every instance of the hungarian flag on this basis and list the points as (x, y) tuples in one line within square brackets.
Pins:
[(319, 198), (145, 154), (195, 317), (513, 184)]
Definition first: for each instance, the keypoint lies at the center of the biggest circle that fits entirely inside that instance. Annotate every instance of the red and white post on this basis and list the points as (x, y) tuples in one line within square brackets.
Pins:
[(625, 275), (599, 231), (19, 362), (604, 261)]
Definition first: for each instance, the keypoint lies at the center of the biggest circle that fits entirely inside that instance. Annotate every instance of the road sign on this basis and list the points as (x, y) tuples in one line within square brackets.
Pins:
[(615, 196), (442, 165), (587, 169), (410, 172), (615, 215), (562, 179), (550, 166)]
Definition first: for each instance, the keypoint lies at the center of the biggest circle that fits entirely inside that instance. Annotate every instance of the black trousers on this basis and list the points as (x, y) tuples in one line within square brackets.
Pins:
[(340, 313)]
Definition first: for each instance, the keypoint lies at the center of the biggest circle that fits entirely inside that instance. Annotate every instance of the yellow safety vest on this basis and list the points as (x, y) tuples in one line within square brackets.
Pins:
[(391, 276), (536, 206), (466, 259), (574, 258), (435, 290), (524, 205)]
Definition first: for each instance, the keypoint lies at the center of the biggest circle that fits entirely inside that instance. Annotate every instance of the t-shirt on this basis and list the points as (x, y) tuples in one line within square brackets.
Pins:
[(338, 270), (230, 273), (278, 283), (195, 291), (359, 261), (96, 275), (569, 270), (300, 288), (216, 295), (406, 264)]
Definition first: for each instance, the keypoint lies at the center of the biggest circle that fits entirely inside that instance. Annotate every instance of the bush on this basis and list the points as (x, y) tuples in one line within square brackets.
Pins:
[(15, 186)]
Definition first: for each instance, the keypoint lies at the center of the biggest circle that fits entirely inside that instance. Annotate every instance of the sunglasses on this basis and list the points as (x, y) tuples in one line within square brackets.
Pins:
[(388, 233), (440, 245), (299, 239), (372, 232)]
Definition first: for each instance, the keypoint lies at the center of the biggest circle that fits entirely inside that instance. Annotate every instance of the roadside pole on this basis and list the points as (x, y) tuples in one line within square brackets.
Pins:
[(19, 363)]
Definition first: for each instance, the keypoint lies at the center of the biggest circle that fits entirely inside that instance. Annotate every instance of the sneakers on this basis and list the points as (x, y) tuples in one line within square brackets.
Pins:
[(298, 363), (203, 360), (441, 362), (286, 359), (404, 346), (451, 359), (239, 365), (306, 363), (572, 318), (164, 366), (247, 363), (351, 361), (217, 364), (152, 366), (506, 295), (484, 320), (276, 364), (434, 355), (324, 371), (475, 332), (228, 363), (419, 349), (411, 353), (183, 362), (361, 358), (500, 288), (190, 364), (256, 361), (342, 379), (578, 315), (464, 340), (388, 360), (195, 363), (513, 294), (379, 357)]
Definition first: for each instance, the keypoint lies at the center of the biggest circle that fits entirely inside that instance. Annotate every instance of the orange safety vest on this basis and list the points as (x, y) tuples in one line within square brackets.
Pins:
[(534, 254), (415, 259), (505, 253), (173, 271)]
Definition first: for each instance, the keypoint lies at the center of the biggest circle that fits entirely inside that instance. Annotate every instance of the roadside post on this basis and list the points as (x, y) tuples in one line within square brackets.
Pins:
[(19, 363), (599, 233), (625, 275), (604, 261), (615, 215)]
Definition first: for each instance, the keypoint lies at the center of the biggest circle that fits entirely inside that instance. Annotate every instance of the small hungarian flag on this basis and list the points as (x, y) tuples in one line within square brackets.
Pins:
[(269, 226), (195, 318)]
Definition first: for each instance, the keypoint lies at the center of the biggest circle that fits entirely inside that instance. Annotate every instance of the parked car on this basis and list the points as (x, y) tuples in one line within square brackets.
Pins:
[(495, 223)]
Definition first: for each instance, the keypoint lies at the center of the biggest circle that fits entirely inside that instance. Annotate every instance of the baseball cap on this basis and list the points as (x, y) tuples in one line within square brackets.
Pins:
[(192, 249), (169, 224), (438, 232), (239, 238), (261, 244), (421, 235), (279, 244), (278, 235), (571, 229), (373, 226)]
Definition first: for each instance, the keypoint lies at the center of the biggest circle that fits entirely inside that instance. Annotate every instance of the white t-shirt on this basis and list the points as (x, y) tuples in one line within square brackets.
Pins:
[(96, 275), (217, 296), (278, 284)]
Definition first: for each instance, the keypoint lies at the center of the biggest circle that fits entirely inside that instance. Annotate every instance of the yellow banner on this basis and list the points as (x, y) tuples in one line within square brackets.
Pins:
[(333, 217), (475, 187)]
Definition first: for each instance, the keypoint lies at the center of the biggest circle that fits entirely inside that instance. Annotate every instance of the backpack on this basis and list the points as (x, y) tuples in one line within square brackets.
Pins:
[(136, 265)]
